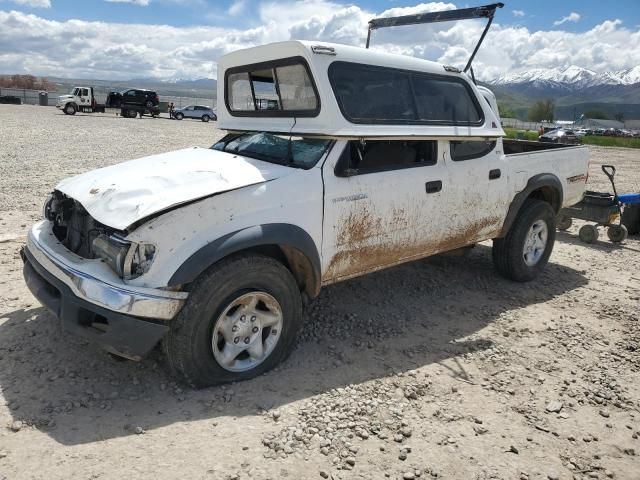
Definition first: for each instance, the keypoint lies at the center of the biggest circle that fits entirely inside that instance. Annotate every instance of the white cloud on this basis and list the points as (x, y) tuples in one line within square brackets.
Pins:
[(517, 13), (572, 17), (34, 3), (237, 7), (140, 3), (78, 48)]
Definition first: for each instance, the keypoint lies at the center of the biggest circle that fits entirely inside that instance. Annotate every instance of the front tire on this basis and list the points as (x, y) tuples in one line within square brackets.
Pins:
[(241, 319), (69, 109), (524, 252), (178, 116), (206, 118)]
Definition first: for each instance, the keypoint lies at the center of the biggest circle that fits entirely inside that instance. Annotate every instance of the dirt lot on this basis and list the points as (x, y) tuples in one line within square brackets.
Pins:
[(456, 374)]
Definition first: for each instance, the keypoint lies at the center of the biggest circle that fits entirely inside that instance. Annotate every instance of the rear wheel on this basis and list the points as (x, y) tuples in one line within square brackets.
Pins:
[(617, 233), (588, 233), (70, 109), (148, 104), (563, 222), (523, 253), (206, 118), (240, 320)]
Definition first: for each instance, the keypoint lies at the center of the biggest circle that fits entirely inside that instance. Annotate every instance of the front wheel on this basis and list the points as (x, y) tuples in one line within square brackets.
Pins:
[(523, 253), (206, 118), (69, 109), (240, 320), (178, 116)]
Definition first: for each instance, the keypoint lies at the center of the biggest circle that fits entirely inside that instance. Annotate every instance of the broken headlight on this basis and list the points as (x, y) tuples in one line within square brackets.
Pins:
[(47, 208), (128, 259)]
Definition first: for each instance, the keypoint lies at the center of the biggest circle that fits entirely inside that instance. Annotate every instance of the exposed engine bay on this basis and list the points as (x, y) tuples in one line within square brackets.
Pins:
[(84, 236), (72, 224)]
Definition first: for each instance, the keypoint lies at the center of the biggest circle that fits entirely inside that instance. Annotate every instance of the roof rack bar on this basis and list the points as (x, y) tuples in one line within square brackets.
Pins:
[(485, 11)]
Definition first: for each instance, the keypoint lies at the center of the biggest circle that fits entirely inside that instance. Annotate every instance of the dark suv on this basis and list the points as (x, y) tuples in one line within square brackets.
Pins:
[(139, 96)]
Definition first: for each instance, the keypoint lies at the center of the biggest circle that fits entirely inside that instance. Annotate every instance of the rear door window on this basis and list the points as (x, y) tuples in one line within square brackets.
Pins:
[(469, 150)]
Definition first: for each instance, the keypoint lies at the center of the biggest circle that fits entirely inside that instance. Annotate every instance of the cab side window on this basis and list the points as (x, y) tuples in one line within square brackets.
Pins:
[(361, 157), (468, 150)]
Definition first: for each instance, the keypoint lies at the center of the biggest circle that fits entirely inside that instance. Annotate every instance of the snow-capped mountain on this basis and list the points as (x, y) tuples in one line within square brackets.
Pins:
[(572, 77)]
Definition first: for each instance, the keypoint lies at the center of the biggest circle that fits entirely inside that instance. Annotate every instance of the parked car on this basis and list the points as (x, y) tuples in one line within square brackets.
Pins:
[(201, 112), (140, 96), (560, 135)]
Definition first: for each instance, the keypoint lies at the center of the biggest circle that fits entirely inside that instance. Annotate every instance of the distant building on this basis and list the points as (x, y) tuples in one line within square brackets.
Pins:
[(599, 123), (632, 124)]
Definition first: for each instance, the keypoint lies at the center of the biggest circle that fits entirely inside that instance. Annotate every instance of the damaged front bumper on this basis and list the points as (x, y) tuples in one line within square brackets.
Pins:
[(125, 320)]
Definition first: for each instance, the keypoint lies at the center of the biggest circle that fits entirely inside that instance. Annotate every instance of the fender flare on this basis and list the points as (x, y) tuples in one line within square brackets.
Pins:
[(542, 180), (283, 235)]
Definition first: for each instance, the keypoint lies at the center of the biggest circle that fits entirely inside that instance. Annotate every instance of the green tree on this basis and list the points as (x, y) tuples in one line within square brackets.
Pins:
[(596, 114), (619, 116), (542, 110), (505, 111)]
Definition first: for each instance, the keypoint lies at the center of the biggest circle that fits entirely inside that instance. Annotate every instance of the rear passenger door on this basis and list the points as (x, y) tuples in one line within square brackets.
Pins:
[(382, 205), (477, 194)]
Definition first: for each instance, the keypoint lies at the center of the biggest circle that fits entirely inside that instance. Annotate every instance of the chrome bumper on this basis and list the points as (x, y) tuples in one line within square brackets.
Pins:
[(135, 301)]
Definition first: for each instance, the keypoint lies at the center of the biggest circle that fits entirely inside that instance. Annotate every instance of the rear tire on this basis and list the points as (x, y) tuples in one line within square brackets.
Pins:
[(523, 253), (563, 222), (588, 233), (199, 346), (617, 233)]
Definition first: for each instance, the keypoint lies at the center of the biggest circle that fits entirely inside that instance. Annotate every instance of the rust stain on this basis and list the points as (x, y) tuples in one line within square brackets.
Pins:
[(357, 258)]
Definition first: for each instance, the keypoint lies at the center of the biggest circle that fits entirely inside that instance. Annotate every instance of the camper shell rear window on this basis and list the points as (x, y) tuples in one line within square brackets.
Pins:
[(369, 94), (278, 88)]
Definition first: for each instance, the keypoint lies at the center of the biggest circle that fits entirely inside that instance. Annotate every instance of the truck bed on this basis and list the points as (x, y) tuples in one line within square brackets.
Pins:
[(512, 146)]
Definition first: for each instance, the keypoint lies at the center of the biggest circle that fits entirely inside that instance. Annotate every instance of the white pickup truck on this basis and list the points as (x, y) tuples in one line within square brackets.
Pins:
[(369, 160)]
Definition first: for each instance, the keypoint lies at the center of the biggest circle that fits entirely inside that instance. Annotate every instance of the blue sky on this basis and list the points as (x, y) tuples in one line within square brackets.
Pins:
[(538, 15), (184, 38)]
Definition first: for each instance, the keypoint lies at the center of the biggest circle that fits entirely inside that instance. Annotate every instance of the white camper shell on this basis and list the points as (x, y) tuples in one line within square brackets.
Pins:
[(340, 91)]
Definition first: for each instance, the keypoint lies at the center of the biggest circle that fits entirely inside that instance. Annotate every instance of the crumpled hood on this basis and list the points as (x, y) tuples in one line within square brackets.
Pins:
[(122, 194)]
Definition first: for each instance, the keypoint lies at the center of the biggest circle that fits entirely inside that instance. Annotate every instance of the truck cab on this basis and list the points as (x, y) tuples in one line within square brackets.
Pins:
[(79, 99), (339, 161)]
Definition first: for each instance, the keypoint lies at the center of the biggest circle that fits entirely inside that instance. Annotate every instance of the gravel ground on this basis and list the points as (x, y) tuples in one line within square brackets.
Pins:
[(459, 374)]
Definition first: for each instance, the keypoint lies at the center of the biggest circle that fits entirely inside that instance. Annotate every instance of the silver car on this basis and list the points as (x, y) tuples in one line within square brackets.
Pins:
[(201, 112)]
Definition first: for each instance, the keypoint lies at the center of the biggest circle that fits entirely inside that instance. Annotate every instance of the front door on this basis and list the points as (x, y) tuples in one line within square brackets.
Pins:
[(379, 197)]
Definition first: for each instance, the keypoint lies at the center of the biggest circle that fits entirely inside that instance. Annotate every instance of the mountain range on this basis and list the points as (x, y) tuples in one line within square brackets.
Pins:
[(571, 78), (574, 89)]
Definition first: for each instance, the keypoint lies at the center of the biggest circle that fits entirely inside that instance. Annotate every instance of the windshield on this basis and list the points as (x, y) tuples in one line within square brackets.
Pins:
[(295, 151)]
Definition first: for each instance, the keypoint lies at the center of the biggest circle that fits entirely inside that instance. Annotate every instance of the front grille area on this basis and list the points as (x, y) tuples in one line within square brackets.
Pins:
[(72, 224)]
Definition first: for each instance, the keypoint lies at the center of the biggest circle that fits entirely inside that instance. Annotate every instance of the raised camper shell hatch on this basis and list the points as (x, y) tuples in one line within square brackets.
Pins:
[(408, 87)]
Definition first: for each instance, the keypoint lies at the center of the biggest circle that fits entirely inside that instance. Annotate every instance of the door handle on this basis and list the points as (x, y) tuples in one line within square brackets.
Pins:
[(495, 173), (433, 187)]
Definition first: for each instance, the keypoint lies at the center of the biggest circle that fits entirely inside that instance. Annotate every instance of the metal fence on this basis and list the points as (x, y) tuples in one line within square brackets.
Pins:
[(32, 97), (522, 125)]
